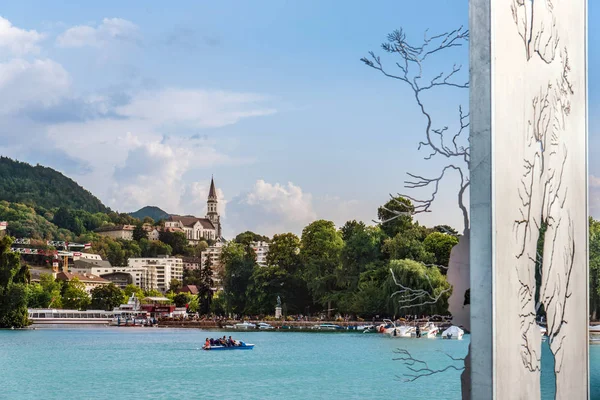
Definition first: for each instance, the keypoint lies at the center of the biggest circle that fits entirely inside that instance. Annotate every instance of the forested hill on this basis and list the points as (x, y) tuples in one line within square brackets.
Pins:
[(43, 187), (150, 211)]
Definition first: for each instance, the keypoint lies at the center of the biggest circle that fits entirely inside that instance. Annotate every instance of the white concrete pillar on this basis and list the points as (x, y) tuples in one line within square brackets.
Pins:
[(528, 107)]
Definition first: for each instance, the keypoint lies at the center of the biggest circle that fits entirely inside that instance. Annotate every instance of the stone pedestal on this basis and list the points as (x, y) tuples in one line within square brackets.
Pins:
[(277, 312)]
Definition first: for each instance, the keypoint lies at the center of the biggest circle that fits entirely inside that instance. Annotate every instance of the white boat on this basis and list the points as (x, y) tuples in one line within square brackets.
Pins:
[(403, 331), (327, 327), (245, 325), (366, 328), (265, 326), (130, 314), (57, 316), (387, 326), (454, 332), (543, 330), (429, 331)]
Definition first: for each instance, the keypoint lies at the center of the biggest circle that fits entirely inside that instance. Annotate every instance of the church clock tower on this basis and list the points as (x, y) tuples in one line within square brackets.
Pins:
[(213, 214)]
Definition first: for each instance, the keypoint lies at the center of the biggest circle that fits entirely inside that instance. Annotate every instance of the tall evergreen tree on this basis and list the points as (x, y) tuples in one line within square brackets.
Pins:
[(205, 292), (13, 292)]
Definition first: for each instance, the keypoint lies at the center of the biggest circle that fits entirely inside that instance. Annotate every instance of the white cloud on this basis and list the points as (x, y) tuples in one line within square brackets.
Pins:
[(196, 107), (271, 208), (18, 41), (37, 83), (153, 170), (111, 30)]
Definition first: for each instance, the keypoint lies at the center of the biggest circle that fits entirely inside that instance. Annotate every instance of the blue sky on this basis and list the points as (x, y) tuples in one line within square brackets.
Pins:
[(141, 102)]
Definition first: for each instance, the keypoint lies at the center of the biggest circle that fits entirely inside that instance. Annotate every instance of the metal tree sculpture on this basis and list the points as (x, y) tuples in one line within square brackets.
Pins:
[(440, 141), (544, 274)]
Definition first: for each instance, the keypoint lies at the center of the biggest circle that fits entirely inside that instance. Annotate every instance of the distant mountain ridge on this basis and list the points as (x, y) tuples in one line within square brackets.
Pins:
[(153, 212), (45, 187)]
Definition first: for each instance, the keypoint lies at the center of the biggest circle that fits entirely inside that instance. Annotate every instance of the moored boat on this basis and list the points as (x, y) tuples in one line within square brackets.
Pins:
[(130, 314), (245, 325), (327, 327), (429, 331), (402, 331), (265, 326), (454, 332), (58, 316)]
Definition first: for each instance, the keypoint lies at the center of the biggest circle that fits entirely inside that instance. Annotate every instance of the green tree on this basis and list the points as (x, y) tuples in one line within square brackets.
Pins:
[(361, 247), (181, 299), (74, 295), (594, 266), (107, 297), (265, 285), (13, 291), (205, 291), (409, 245), (192, 277), (321, 247), (284, 252), (139, 233), (152, 293), (370, 300), (64, 218), (396, 216), (434, 289), (248, 237), (445, 229), (154, 248), (238, 261), (194, 304), (176, 240), (440, 245), (131, 289), (45, 294), (53, 288), (174, 285)]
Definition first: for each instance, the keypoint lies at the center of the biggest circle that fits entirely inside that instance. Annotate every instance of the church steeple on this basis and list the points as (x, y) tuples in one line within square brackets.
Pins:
[(212, 193), (213, 213)]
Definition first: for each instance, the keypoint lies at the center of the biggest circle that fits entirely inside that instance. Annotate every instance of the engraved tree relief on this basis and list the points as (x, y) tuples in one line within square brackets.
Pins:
[(448, 144), (544, 230)]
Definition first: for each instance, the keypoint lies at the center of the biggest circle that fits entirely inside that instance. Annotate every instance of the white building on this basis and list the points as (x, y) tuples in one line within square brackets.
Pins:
[(160, 270), (120, 276), (261, 249), (87, 257), (198, 229), (117, 232)]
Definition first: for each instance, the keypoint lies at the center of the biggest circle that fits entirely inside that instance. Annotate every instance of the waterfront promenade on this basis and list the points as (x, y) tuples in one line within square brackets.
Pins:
[(277, 324)]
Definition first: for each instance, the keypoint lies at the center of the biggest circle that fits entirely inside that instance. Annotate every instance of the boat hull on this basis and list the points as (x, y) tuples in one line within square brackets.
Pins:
[(246, 347)]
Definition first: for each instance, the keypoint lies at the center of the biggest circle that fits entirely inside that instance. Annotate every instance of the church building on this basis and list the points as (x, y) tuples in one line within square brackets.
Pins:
[(198, 229)]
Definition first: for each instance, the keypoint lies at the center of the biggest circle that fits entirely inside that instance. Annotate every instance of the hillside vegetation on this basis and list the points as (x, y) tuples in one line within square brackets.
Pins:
[(43, 187)]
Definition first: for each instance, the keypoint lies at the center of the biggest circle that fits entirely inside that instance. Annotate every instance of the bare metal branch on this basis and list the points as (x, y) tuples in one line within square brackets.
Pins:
[(443, 141), (421, 369)]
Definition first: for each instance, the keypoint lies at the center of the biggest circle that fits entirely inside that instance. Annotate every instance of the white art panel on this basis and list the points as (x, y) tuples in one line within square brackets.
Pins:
[(532, 145)]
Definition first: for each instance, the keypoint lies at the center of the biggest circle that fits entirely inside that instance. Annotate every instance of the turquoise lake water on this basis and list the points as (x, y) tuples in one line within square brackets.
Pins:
[(106, 363)]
